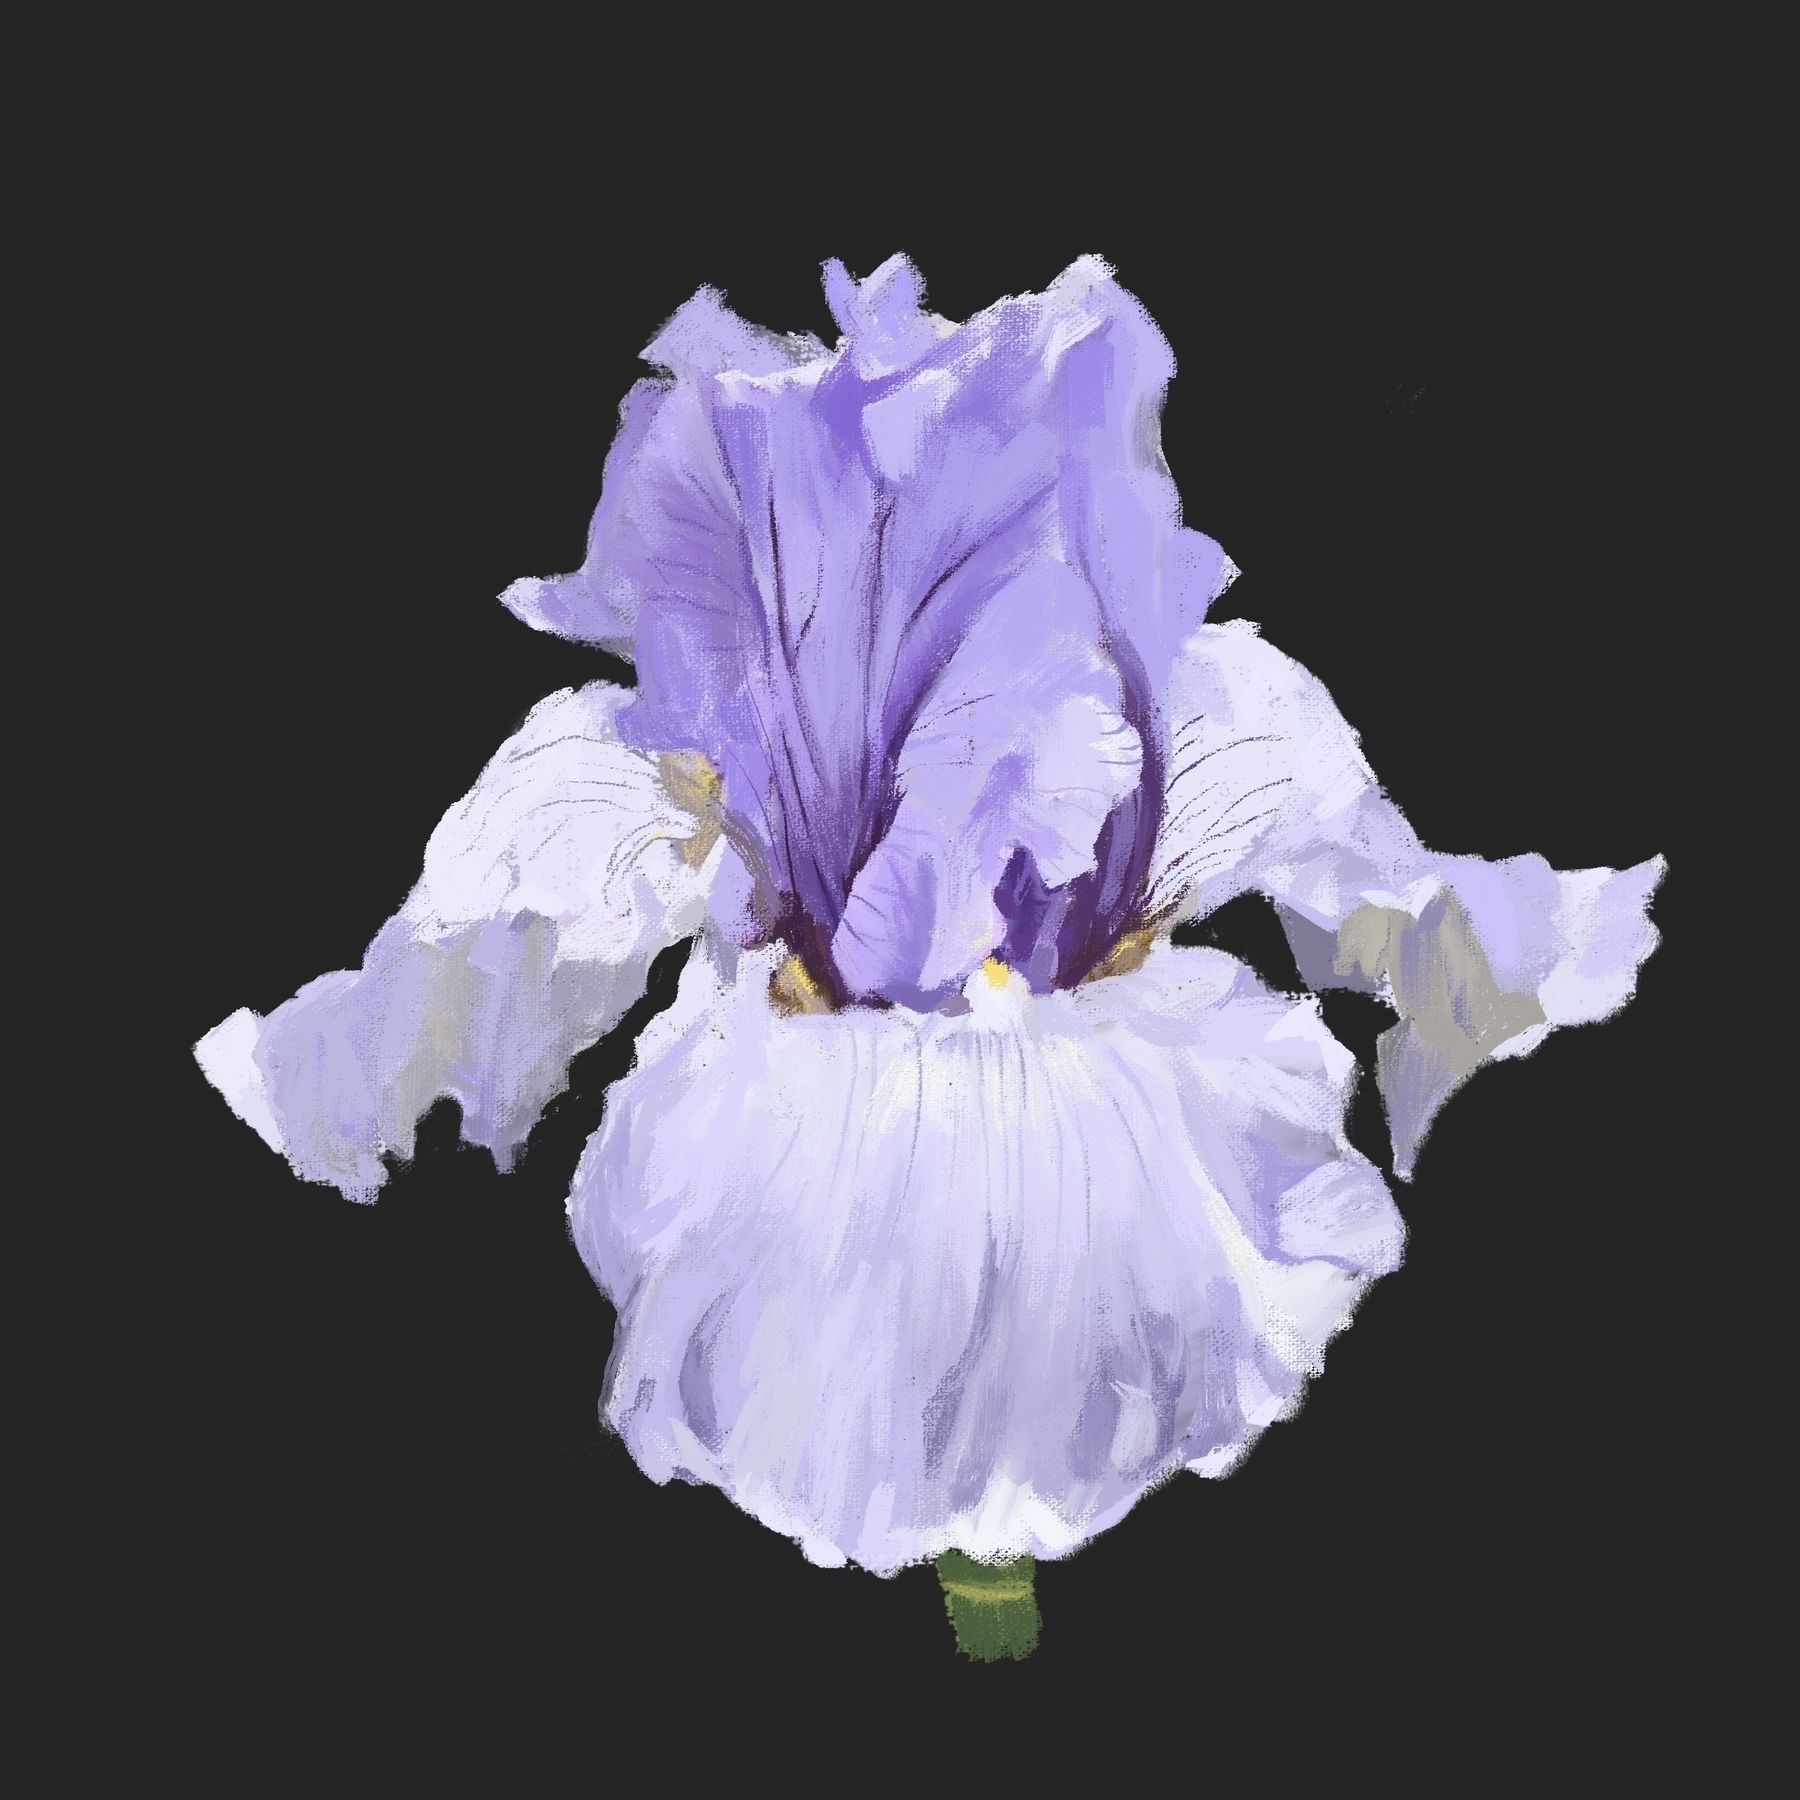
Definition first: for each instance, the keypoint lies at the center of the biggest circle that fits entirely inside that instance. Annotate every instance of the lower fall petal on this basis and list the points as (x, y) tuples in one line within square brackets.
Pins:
[(1269, 791), (902, 1284), (1485, 960), (547, 892)]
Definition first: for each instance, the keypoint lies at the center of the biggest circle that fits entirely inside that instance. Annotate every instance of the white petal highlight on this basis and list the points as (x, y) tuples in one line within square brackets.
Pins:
[(227, 1058), (904, 1282), (547, 892), (1603, 934)]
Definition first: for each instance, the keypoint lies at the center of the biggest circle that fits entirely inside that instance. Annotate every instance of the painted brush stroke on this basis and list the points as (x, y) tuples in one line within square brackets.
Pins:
[(951, 1205)]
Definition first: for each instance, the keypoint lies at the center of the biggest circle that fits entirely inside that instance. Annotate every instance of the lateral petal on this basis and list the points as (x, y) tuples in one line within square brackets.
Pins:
[(547, 892)]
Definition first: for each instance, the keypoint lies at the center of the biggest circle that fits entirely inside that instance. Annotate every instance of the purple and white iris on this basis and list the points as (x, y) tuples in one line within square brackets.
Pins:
[(950, 1205)]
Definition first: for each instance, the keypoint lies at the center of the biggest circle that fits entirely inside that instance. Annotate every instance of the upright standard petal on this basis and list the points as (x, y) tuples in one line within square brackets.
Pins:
[(546, 893), (793, 544), (901, 1283), (600, 602), (1021, 746), (1269, 790)]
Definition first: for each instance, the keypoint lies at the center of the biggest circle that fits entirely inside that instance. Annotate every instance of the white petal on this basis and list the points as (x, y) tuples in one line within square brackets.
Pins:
[(900, 1282), (1264, 773), (1603, 933), (547, 892), (227, 1057), (1269, 790)]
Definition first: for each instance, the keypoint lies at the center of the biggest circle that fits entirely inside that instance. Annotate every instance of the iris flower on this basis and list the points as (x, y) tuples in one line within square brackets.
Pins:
[(951, 1205)]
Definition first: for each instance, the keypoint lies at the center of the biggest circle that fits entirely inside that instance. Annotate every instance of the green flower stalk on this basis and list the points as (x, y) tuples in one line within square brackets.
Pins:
[(992, 1606)]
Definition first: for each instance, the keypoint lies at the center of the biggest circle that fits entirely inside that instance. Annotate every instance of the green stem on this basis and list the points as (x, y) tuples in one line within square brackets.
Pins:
[(992, 1606)]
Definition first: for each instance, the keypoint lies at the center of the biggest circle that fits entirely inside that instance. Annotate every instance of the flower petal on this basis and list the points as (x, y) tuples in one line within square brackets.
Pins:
[(1020, 746), (546, 893), (1269, 790), (692, 527), (901, 1283), (881, 315), (793, 544)]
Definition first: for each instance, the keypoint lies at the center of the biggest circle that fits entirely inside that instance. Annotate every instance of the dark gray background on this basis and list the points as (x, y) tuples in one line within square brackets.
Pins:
[(365, 321)]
